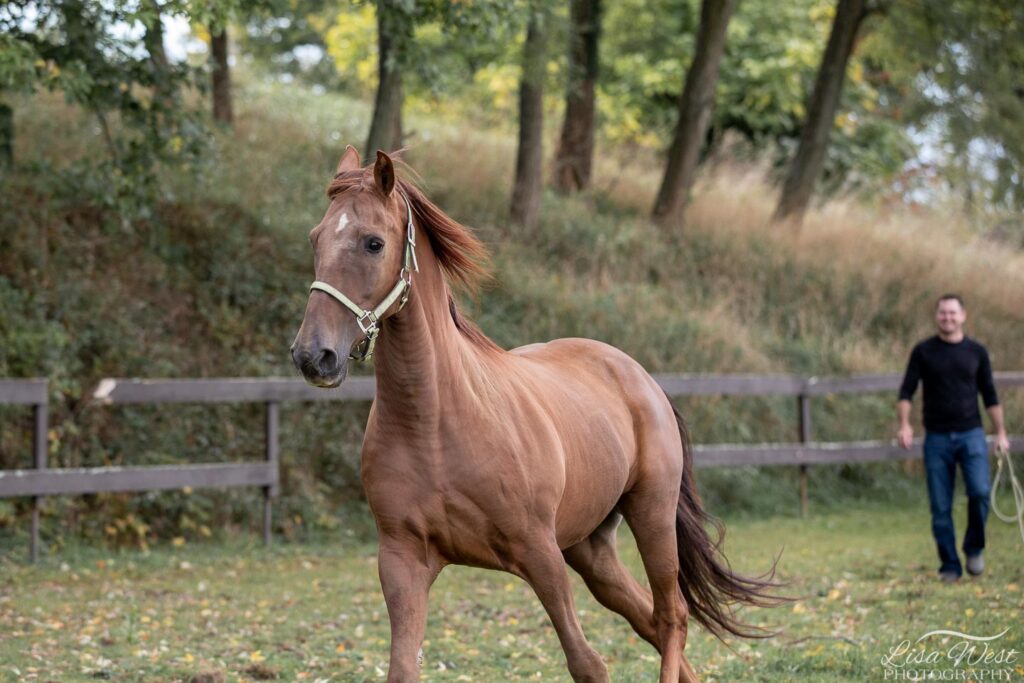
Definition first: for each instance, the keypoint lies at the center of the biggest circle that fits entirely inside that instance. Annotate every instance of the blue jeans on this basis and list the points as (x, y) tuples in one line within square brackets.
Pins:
[(942, 451)]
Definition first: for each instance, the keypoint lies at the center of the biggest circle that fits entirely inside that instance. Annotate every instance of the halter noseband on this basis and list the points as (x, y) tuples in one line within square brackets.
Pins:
[(369, 320)]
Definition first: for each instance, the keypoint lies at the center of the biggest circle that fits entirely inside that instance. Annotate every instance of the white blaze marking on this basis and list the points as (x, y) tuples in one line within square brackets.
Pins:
[(342, 222)]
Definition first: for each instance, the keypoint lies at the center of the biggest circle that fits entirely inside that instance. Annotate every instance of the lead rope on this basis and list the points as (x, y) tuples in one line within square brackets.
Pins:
[(1003, 457)]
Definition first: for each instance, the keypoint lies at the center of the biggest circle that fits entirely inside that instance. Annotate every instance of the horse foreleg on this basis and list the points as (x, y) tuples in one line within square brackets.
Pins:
[(406, 573), (543, 567), (596, 560)]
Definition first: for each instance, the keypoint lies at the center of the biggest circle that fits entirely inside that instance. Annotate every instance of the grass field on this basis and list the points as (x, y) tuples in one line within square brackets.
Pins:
[(315, 612)]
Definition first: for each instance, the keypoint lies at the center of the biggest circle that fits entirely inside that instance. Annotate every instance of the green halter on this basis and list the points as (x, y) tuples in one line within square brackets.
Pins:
[(369, 320)]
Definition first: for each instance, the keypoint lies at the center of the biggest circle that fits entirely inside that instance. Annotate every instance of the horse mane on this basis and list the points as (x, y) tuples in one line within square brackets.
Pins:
[(464, 259)]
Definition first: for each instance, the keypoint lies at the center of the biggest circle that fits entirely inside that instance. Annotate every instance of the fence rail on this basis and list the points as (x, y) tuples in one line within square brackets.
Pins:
[(826, 453), (41, 481), (73, 481), (23, 392)]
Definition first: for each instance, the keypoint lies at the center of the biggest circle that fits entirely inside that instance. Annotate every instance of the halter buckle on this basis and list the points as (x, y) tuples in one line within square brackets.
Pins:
[(368, 327)]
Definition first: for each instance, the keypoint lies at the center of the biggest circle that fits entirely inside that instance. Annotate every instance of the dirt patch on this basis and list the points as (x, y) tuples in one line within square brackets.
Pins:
[(208, 677), (261, 672)]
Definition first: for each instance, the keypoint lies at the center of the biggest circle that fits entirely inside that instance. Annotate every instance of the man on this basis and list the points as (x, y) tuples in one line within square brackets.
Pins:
[(954, 369)]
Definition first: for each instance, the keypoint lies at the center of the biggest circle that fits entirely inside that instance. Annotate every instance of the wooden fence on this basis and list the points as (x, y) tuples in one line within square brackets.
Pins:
[(29, 392), (41, 481)]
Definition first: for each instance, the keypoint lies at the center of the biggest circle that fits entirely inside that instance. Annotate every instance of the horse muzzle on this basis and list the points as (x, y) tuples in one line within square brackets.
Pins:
[(320, 366)]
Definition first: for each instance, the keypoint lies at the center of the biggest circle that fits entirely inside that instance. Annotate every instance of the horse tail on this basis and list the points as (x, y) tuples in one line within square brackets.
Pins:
[(708, 583)]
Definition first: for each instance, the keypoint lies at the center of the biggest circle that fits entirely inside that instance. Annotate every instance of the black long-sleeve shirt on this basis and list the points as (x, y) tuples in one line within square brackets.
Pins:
[(953, 375)]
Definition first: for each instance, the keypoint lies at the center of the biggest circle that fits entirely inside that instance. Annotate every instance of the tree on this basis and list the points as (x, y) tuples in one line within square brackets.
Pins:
[(6, 135), (695, 106), (17, 74), (217, 15), (526, 191), (221, 75), (772, 56), (83, 50), (806, 166), (163, 86), (394, 33), (958, 69), (576, 145)]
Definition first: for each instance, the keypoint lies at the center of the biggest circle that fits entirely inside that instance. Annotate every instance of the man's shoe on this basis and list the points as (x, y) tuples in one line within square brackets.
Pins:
[(976, 565), (949, 577)]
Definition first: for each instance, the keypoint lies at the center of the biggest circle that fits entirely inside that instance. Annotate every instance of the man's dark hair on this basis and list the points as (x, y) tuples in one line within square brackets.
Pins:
[(950, 297)]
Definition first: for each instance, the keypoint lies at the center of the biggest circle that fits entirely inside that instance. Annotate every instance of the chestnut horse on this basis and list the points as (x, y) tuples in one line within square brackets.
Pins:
[(523, 460)]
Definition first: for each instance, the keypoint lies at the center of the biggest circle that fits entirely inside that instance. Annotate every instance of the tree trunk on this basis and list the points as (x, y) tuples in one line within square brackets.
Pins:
[(6, 136), (526, 192), (392, 32), (222, 109), (695, 107), (576, 146), (158, 63), (821, 112)]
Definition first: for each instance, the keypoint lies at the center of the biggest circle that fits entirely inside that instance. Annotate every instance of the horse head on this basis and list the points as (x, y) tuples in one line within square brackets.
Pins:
[(363, 259)]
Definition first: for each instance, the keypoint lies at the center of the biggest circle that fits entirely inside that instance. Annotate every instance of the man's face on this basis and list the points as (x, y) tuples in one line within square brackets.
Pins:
[(950, 316)]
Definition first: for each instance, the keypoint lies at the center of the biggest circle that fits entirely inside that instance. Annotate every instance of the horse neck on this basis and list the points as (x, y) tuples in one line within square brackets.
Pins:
[(421, 353)]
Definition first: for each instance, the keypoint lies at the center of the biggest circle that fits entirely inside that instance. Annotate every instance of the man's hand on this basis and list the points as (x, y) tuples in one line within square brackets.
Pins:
[(1002, 443), (905, 436), (995, 412)]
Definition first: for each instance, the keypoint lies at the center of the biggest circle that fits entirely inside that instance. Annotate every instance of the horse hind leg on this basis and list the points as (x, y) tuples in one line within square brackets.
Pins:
[(650, 511), (597, 561)]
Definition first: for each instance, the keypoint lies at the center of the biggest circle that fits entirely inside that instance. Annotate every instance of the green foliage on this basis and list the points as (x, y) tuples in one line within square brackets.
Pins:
[(17, 64), (294, 29), (956, 70), (771, 58), (30, 344), (72, 47), (644, 52), (462, 56)]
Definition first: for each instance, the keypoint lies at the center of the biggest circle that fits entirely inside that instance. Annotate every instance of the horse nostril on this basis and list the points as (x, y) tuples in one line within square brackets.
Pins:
[(300, 358), (327, 362)]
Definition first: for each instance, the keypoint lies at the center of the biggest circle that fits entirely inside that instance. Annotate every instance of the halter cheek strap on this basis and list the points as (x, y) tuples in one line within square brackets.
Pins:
[(369, 319)]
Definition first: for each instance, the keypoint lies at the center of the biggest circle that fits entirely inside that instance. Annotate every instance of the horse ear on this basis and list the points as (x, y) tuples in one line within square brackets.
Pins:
[(349, 160), (384, 174)]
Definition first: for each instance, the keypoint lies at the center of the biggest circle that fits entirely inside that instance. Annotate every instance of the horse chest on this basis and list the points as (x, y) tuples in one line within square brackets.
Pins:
[(474, 507)]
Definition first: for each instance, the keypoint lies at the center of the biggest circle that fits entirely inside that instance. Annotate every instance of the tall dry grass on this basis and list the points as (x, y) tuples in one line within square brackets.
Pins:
[(856, 280), (903, 257)]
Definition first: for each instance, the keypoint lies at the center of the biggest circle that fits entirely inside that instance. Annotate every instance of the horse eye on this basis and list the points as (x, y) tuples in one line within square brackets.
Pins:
[(374, 245)]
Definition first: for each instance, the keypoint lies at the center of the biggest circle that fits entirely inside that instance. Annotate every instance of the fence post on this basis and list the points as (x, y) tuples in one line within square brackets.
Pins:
[(270, 491), (804, 417), (40, 419)]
